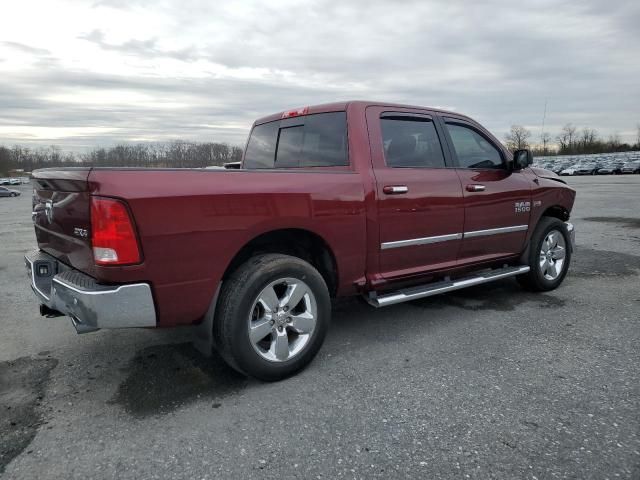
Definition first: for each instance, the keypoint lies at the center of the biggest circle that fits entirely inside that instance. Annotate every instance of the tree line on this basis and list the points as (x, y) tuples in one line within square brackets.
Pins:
[(173, 154), (570, 141)]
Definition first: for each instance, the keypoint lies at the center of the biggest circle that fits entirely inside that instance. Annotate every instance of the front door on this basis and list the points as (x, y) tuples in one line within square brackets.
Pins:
[(497, 200), (419, 199)]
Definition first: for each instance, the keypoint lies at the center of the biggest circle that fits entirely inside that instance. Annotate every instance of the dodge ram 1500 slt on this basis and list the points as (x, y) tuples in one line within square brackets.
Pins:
[(390, 202)]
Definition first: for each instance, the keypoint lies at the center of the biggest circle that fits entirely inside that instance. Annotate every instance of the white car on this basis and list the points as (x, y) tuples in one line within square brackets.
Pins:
[(569, 171), (15, 181)]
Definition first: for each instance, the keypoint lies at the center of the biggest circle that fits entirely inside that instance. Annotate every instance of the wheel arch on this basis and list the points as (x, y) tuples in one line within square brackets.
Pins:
[(557, 211), (297, 242)]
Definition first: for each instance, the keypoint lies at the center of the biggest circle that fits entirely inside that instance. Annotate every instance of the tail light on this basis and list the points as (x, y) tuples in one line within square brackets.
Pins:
[(113, 234)]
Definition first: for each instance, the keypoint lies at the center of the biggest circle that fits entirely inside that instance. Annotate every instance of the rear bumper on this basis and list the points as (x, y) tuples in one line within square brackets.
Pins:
[(91, 306)]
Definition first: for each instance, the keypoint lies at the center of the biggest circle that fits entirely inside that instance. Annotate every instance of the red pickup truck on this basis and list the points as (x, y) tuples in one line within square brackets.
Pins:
[(390, 202)]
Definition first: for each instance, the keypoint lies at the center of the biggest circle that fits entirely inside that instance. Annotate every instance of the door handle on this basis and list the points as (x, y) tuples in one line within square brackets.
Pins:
[(476, 188), (395, 189)]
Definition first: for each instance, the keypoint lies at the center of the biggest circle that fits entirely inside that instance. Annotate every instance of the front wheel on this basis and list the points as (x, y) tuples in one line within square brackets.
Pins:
[(14, 195), (548, 257), (272, 316)]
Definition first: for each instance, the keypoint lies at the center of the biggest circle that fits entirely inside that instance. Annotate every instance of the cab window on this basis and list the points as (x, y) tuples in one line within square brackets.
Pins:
[(473, 149), (411, 142)]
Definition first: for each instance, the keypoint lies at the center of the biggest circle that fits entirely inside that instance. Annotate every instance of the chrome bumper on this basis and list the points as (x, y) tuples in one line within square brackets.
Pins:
[(91, 306), (572, 234)]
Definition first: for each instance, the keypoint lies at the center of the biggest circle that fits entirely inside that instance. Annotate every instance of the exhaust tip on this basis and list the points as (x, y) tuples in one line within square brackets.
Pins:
[(49, 312)]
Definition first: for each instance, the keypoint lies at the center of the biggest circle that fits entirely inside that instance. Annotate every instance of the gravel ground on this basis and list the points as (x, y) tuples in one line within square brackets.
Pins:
[(491, 382)]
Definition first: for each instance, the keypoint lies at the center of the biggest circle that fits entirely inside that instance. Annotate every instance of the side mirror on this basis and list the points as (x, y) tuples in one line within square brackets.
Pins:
[(522, 159)]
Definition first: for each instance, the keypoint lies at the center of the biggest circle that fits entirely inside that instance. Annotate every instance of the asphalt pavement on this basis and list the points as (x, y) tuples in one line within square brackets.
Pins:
[(489, 382)]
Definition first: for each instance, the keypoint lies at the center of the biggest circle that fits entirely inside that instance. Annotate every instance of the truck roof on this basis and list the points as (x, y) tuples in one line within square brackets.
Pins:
[(341, 106)]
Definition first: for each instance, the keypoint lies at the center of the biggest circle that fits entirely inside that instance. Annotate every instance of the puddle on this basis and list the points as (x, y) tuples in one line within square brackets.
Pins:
[(588, 262), (503, 296), (165, 377), (626, 222), (22, 387)]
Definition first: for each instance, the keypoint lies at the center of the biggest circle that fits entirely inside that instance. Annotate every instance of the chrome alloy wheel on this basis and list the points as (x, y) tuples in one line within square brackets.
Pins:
[(282, 319), (552, 255)]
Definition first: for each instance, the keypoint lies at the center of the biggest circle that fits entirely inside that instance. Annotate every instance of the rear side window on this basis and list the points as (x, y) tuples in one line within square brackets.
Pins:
[(411, 142), (472, 149), (261, 149), (318, 140)]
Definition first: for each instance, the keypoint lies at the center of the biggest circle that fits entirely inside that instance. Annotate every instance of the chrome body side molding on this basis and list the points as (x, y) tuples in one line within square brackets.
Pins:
[(452, 236), (495, 231), (421, 241)]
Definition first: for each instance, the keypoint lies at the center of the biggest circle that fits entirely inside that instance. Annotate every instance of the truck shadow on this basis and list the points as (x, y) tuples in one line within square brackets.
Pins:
[(162, 378), (501, 296)]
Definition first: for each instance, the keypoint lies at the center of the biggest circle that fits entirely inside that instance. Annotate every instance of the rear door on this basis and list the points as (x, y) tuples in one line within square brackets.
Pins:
[(497, 200), (419, 199)]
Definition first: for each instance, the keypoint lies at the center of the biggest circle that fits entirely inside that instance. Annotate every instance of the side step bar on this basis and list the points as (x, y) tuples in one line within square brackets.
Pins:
[(430, 289)]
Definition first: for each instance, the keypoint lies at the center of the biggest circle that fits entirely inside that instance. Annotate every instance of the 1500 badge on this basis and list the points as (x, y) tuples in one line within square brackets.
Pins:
[(523, 207)]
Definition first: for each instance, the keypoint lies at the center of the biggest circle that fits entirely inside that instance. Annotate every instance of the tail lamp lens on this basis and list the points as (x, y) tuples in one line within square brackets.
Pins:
[(113, 234)]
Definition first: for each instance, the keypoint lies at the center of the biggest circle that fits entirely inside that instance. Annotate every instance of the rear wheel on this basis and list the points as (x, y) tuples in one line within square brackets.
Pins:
[(549, 256), (272, 316)]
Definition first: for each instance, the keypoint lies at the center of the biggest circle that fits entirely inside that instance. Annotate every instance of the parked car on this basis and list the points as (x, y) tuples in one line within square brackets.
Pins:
[(15, 181), (6, 192), (586, 169), (330, 201), (5, 181), (611, 168), (569, 170), (631, 167)]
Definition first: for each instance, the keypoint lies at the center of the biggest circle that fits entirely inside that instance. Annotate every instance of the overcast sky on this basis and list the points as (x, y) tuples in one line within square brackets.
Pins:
[(82, 73)]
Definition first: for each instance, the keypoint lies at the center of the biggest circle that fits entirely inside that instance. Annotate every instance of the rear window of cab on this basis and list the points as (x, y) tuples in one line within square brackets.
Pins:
[(318, 140)]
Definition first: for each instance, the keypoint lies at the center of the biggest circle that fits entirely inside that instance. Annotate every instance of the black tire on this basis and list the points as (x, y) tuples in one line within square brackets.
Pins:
[(535, 279), (235, 305), (14, 195)]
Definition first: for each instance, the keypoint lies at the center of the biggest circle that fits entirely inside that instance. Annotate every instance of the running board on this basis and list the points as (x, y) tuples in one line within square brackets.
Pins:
[(430, 289)]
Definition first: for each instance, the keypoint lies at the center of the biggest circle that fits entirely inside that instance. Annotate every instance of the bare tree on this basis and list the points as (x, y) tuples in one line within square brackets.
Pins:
[(566, 138), (545, 139), (638, 136), (614, 143), (588, 140), (5, 160), (517, 138)]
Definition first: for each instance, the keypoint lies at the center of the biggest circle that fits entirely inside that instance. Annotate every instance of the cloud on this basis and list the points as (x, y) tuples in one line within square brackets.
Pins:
[(144, 48), (26, 48), (205, 70)]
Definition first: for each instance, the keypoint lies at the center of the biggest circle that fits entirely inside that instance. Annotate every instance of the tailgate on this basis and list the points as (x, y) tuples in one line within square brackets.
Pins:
[(62, 217)]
